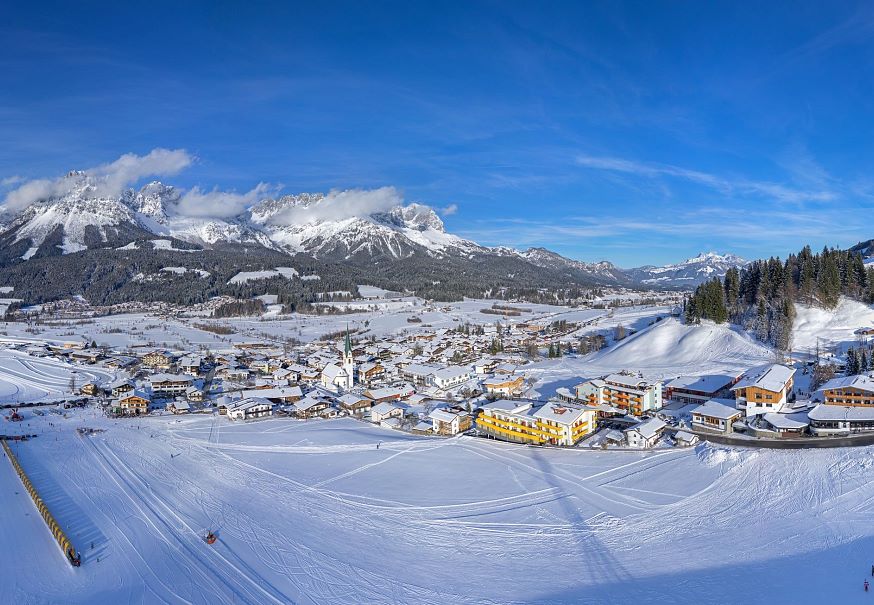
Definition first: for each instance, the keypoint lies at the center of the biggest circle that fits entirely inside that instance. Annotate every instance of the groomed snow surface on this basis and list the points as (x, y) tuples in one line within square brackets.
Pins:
[(26, 379), (313, 512)]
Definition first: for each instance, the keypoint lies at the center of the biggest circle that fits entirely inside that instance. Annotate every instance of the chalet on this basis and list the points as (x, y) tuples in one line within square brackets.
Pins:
[(370, 371), (449, 421), (121, 387), (700, 389), (389, 394), (169, 385), (311, 406), (178, 407), (715, 416), (848, 406), (190, 364), (764, 389), (646, 434), (276, 394), (192, 393), (849, 391), (304, 373), (134, 403), (89, 388), (86, 356), (485, 366), (383, 411), (354, 404), (685, 438), (504, 385), (232, 373), (284, 375), (864, 332), (249, 408)]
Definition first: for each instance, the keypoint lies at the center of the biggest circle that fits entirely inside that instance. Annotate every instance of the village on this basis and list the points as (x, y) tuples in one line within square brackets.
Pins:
[(477, 379)]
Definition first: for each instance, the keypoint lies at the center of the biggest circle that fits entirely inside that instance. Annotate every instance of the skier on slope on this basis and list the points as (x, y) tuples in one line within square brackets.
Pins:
[(866, 585), (872, 571)]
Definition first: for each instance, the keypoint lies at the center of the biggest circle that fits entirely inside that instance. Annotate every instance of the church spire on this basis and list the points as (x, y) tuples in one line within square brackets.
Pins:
[(347, 345)]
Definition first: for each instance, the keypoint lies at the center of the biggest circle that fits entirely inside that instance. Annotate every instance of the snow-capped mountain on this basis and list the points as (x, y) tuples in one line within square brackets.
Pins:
[(292, 224), (81, 218), (401, 240), (603, 270), (690, 272)]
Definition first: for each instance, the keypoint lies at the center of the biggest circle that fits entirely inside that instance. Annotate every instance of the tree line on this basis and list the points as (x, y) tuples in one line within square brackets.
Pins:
[(761, 296)]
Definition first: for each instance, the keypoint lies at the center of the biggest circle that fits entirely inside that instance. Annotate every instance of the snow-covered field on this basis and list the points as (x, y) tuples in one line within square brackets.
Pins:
[(26, 378), (314, 513)]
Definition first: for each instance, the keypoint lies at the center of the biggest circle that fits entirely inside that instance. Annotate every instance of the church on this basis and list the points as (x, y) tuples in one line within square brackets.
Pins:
[(336, 377)]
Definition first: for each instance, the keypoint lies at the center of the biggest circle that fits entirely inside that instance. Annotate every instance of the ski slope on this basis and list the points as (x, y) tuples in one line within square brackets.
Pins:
[(313, 512), (25, 379), (663, 350), (833, 327)]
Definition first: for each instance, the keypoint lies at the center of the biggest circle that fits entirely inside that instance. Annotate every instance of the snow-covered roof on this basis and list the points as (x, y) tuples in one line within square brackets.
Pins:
[(384, 408), (769, 378), (786, 421), (860, 382), (169, 378), (249, 403), (714, 409), (634, 382), (563, 414), (709, 383), (507, 405), (451, 372), (649, 428), (826, 411), (685, 436), (442, 415)]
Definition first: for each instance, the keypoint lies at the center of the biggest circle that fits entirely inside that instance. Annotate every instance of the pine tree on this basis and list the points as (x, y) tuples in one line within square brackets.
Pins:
[(852, 363)]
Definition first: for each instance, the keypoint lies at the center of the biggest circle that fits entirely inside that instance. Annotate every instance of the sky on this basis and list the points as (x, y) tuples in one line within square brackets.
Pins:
[(638, 132)]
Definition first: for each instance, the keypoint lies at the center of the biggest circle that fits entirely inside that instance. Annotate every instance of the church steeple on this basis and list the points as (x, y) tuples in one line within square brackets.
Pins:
[(347, 345), (348, 359)]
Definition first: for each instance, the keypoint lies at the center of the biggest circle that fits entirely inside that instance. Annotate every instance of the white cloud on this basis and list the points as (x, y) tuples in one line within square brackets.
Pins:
[(108, 179), (114, 177), (220, 204), (740, 186), (339, 205), (448, 210), (11, 180), (33, 191)]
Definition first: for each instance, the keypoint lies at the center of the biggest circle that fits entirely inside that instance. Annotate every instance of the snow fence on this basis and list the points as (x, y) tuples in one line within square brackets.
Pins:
[(57, 532)]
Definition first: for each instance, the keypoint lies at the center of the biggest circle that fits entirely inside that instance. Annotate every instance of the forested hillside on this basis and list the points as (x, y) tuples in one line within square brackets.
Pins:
[(761, 296)]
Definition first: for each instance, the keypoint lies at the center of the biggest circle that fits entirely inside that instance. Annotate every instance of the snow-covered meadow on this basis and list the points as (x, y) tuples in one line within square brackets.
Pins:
[(315, 512)]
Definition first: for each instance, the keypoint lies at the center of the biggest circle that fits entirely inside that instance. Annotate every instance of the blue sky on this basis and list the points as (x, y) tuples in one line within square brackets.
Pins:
[(635, 132)]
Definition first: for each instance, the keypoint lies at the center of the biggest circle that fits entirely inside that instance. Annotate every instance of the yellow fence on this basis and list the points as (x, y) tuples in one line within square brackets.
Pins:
[(57, 532)]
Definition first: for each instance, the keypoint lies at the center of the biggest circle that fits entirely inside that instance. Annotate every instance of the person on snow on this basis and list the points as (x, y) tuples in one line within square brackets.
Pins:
[(866, 585), (872, 571)]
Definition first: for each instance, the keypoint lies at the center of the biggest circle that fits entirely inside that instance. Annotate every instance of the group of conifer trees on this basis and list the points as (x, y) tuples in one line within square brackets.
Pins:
[(761, 296)]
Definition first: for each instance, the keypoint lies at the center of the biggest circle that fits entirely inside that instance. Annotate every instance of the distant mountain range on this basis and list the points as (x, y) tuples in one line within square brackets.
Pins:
[(402, 244)]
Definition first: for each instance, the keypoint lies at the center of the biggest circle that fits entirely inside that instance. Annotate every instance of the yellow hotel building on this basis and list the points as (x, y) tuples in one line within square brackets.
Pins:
[(550, 424)]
